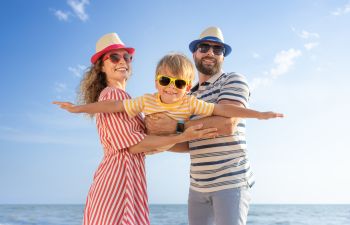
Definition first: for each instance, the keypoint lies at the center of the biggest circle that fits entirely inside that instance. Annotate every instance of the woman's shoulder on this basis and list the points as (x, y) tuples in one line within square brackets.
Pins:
[(112, 93)]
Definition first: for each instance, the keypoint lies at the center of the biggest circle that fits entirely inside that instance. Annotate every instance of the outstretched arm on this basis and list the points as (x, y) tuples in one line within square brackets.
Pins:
[(230, 110), (107, 106)]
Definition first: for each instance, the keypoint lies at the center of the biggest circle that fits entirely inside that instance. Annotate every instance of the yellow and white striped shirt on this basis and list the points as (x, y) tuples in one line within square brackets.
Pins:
[(181, 110)]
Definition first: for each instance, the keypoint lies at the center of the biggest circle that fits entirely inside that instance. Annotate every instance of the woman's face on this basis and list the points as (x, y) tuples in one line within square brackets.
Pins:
[(117, 71)]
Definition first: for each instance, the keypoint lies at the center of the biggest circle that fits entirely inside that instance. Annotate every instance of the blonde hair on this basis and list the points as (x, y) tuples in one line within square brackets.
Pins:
[(178, 65)]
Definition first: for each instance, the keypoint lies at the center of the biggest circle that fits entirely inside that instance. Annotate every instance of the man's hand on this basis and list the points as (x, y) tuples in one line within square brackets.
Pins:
[(160, 124), (270, 115)]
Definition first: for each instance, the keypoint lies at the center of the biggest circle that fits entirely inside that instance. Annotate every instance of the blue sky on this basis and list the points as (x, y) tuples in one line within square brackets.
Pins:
[(295, 55)]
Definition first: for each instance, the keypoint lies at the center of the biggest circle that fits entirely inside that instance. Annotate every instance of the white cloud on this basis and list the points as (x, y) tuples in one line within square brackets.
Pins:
[(79, 8), (78, 70), (60, 87), (284, 60), (63, 16), (257, 82), (341, 11), (306, 35), (311, 45), (256, 55), (62, 92)]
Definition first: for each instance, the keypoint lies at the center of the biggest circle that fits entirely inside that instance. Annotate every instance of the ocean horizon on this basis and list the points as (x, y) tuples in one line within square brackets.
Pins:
[(176, 214)]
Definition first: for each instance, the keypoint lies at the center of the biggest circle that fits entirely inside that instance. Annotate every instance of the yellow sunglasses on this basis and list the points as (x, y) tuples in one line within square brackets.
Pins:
[(164, 80)]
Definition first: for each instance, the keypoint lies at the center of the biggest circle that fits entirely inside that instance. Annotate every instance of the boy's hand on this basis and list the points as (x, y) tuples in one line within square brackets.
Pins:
[(70, 107), (270, 115)]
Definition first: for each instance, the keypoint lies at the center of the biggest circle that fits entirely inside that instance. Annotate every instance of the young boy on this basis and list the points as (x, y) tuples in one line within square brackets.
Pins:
[(174, 74)]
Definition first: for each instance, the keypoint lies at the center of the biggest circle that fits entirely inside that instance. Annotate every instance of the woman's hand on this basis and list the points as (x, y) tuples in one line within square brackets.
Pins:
[(195, 132), (70, 107), (160, 124)]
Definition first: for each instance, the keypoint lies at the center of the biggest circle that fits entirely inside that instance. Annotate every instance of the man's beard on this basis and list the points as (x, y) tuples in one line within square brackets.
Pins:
[(209, 71)]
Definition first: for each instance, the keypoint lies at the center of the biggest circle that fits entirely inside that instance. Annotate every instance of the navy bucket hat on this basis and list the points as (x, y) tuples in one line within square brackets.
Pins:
[(212, 34)]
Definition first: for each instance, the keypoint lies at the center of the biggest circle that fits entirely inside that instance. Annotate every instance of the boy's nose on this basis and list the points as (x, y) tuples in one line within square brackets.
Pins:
[(172, 84)]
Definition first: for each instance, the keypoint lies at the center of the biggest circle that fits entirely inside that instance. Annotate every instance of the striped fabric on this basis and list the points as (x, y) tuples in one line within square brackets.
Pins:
[(181, 110), (221, 163), (118, 193)]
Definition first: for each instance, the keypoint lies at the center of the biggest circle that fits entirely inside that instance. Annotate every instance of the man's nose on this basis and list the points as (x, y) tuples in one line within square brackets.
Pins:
[(210, 51)]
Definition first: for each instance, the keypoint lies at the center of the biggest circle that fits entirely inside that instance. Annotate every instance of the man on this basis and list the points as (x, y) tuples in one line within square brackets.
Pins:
[(220, 170)]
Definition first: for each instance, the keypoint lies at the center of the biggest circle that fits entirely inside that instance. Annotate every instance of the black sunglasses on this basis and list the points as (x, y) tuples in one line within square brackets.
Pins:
[(115, 58), (217, 49)]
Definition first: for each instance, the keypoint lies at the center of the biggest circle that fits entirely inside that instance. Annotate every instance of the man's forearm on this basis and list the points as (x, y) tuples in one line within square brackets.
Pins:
[(225, 125)]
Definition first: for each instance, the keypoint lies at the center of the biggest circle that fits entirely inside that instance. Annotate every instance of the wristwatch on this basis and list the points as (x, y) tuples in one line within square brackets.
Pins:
[(180, 126)]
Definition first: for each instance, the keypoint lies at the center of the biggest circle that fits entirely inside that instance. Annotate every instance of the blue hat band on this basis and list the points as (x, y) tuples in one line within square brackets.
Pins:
[(211, 38), (193, 45)]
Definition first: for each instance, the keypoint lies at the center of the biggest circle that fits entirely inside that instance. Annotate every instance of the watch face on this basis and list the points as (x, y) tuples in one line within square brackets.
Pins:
[(180, 127)]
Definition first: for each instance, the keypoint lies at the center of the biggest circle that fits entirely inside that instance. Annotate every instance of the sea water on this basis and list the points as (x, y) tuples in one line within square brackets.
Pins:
[(177, 214)]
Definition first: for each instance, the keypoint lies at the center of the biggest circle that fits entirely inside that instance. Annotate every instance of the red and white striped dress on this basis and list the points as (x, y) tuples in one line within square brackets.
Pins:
[(118, 194)]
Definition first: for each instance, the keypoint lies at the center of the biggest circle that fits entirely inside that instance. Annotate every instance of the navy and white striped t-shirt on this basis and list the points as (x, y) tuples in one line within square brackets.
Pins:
[(221, 163)]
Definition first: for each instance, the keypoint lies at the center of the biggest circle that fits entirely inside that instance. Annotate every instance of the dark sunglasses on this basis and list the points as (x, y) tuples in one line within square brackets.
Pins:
[(165, 81), (217, 49), (115, 58)]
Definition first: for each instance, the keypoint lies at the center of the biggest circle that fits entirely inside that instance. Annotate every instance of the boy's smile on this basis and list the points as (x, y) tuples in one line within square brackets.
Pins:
[(170, 94)]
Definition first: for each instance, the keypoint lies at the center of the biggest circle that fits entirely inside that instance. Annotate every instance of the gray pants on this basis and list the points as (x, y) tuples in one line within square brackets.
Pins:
[(226, 207)]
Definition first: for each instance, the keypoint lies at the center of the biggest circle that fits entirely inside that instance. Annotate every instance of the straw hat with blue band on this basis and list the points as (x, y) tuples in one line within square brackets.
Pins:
[(212, 34)]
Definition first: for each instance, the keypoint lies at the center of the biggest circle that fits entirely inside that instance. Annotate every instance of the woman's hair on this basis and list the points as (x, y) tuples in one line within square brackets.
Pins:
[(178, 65), (93, 82)]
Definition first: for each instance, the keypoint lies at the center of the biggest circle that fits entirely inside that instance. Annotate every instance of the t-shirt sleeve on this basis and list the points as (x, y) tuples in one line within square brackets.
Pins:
[(235, 88), (134, 106), (118, 130), (200, 107)]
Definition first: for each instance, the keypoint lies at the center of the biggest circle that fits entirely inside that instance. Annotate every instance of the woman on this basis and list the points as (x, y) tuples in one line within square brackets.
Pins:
[(118, 193)]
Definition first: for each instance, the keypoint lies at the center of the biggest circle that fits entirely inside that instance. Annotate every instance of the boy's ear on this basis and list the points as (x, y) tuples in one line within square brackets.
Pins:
[(189, 86)]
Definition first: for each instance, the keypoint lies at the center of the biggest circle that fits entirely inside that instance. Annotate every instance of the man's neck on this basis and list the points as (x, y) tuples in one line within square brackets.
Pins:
[(202, 78)]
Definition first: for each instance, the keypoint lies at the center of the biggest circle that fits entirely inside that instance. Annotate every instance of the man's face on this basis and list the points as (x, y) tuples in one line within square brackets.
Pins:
[(208, 61)]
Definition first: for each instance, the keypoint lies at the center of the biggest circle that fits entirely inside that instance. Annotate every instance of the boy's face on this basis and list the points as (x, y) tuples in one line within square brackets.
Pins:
[(170, 93)]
